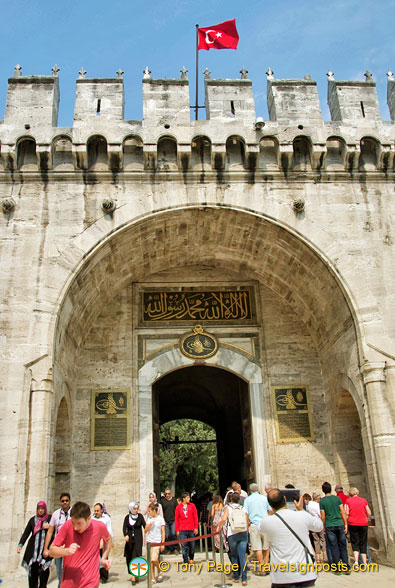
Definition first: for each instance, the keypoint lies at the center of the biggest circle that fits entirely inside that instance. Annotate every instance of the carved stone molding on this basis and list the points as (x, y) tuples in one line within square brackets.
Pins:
[(298, 204), (108, 205), (373, 372), (8, 205)]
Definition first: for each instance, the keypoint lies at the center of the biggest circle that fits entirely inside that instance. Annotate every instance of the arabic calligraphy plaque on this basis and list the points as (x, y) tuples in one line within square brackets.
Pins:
[(109, 419), (187, 305), (198, 344), (292, 414)]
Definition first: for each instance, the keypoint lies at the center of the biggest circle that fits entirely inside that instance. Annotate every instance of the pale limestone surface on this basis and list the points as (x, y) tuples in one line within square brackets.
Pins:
[(176, 578), (208, 203)]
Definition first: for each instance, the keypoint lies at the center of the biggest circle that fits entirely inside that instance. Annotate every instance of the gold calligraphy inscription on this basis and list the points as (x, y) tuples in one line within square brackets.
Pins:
[(224, 305), (110, 419), (292, 414)]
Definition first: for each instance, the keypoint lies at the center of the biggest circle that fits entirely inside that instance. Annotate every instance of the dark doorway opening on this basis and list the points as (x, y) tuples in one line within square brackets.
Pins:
[(216, 397)]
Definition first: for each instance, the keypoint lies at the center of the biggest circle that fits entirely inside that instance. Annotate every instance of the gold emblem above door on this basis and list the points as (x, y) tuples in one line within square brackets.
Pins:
[(197, 344)]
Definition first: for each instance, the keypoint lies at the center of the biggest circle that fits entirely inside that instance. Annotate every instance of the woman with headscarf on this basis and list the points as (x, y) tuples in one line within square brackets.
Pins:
[(133, 534), (33, 560), (152, 500)]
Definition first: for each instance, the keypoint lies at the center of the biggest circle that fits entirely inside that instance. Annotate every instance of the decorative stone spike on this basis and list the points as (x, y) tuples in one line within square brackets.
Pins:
[(307, 78), (55, 71), (82, 73), (244, 74), (206, 74), (120, 73), (17, 71), (330, 75), (269, 74), (184, 73), (147, 74), (368, 76), (390, 75)]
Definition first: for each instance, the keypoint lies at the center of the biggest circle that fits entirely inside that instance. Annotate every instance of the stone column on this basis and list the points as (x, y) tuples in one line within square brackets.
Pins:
[(379, 391), (39, 441), (145, 441), (259, 435)]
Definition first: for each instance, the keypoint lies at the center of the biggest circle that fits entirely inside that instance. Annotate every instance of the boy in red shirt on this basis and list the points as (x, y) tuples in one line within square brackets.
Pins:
[(186, 523), (78, 541)]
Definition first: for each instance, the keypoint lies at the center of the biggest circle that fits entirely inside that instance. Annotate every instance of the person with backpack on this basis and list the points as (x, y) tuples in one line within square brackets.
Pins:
[(236, 518)]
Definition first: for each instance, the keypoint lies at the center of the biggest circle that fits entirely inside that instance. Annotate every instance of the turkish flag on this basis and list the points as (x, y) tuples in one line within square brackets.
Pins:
[(220, 36)]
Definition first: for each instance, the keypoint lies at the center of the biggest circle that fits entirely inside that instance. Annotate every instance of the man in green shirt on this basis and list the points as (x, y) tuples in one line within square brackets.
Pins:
[(335, 524)]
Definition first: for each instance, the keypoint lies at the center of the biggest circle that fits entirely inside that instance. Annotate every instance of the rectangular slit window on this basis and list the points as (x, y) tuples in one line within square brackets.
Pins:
[(362, 110), (98, 106), (232, 108)]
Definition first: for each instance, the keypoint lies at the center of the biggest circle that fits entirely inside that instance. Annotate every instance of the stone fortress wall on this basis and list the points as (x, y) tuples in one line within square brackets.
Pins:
[(294, 139), (300, 208)]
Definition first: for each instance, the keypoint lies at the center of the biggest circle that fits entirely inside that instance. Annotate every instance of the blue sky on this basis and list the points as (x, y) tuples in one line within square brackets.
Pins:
[(293, 37)]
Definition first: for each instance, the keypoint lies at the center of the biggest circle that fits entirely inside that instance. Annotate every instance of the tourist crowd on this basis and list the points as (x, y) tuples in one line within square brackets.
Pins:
[(269, 529)]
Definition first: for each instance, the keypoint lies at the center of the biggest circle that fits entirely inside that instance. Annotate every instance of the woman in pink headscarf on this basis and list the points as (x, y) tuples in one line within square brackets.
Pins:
[(33, 560), (152, 500)]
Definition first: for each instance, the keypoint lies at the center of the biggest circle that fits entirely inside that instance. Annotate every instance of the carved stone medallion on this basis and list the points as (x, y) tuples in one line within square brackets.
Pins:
[(197, 344)]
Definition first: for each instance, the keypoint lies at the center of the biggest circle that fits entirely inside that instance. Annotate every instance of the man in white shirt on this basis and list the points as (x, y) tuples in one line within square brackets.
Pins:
[(59, 517), (257, 508), (289, 564), (103, 517), (100, 515)]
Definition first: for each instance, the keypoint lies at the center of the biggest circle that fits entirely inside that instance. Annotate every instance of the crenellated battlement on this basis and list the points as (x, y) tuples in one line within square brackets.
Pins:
[(295, 138)]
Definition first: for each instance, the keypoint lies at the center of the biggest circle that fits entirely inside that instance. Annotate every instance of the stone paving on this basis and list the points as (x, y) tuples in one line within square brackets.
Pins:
[(175, 578), (384, 578)]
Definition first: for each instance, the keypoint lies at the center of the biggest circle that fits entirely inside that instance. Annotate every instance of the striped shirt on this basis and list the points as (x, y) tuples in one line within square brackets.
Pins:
[(59, 518)]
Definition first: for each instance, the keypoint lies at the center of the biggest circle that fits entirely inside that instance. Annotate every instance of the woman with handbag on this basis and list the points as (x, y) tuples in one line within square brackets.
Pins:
[(133, 533)]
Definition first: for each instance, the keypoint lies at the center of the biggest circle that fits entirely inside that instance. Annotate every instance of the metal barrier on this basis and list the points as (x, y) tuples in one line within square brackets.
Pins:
[(205, 539), (149, 565), (200, 537), (213, 550), (221, 559)]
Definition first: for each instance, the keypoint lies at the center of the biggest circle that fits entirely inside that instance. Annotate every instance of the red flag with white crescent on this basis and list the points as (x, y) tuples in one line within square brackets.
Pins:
[(220, 36)]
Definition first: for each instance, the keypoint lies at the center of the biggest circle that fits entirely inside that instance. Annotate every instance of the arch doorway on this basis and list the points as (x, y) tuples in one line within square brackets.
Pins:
[(216, 397)]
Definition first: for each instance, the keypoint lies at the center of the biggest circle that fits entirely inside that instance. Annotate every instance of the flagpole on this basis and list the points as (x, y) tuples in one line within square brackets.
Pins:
[(197, 74)]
